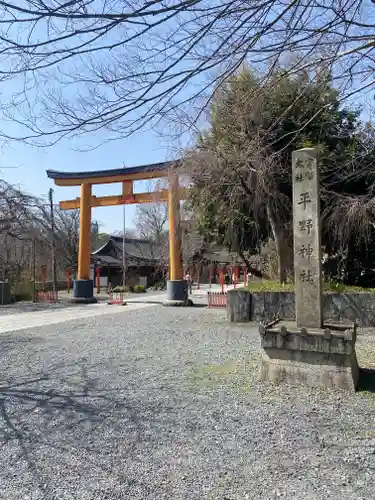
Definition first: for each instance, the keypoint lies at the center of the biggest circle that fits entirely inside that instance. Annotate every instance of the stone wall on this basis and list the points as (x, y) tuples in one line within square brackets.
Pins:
[(262, 306)]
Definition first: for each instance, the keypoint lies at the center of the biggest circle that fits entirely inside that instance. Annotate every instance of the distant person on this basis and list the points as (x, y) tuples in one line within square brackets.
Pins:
[(189, 282)]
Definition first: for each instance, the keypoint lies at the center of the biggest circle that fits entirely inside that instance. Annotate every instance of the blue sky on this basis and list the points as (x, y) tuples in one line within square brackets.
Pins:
[(32, 163)]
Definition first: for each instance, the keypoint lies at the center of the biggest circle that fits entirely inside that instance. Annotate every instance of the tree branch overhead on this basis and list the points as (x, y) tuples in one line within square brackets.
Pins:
[(123, 66)]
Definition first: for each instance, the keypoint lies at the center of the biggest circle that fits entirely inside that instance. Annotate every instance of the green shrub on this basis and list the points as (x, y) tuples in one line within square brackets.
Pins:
[(121, 289), (20, 297), (275, 286), (330, 286), (129, 288), (22, 291), (270, 286)]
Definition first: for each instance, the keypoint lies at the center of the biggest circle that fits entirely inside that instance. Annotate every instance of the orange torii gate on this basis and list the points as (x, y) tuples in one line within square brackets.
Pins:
[(83, 288)]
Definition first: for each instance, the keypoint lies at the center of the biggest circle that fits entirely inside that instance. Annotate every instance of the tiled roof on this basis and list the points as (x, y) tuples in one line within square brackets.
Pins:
[(54, 174), (137, 252)]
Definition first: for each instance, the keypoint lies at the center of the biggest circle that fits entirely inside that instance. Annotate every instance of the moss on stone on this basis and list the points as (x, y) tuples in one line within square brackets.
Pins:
[(275, 286)]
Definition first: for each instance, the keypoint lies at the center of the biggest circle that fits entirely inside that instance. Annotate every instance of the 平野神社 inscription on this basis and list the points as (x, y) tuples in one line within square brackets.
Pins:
[(306, 276), (305, 225), (306, 251), (304, 200), (307, 248)]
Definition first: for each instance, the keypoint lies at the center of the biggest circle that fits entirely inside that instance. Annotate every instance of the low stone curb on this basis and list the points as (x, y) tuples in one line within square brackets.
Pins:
[(244, 306)]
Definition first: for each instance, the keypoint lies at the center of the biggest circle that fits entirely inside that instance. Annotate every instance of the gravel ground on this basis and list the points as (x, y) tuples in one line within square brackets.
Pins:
[(164, 404), (26, 307)]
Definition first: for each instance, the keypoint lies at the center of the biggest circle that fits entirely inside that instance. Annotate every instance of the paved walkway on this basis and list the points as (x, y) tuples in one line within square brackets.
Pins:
[(197, 295), (25, 320)]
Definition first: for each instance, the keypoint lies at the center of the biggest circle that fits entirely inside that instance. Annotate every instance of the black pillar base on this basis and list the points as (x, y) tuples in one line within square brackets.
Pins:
[(83, 292), (177, 293)]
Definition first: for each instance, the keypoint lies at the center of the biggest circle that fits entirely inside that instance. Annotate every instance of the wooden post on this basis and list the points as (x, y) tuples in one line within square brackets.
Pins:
[(127, 189), (53, 254), (44, 276), (97, 271), (34, 270), (68, 273), (221, 280), (84, 233), (244, 276), (175, 254)]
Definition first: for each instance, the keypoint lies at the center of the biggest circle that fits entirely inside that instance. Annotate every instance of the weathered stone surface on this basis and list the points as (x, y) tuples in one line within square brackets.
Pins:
[(307, 244), (353, 306), (323, 357), (323, 341), (337, 307), (267, 305), (5, 296), (238, 306)]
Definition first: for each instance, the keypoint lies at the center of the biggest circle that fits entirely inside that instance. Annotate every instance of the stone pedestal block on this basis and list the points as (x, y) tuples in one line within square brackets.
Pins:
[(239, 306), (177, 293), (83, 292), (315, 357)]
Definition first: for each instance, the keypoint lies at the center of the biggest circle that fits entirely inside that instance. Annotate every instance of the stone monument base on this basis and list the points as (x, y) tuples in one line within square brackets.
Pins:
[(177, 293), (83, 292), (315, 357)]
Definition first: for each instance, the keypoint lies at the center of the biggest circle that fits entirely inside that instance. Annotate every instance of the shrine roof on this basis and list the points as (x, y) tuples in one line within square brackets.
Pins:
[(153, 170), (137, 251)]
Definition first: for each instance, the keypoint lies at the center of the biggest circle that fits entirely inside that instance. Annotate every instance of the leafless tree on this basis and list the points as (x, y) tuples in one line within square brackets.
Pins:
[(15, 210), (16, 228), (25, 220), (65, 233), (150, 221), (80, 66)]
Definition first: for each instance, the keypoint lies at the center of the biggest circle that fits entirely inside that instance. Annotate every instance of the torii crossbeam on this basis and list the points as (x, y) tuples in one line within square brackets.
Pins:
[(83, 289)]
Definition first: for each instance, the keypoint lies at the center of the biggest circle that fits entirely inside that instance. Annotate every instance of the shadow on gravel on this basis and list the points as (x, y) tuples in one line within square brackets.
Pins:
[(366, 380), (64, 409), (11, 342)]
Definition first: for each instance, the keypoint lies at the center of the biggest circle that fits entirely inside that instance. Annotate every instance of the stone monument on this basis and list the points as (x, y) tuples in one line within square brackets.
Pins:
[(308, 351), (307, 245)]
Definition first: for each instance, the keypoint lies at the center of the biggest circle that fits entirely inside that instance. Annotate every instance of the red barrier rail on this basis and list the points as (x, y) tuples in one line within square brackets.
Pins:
[(116, 298), (51, 297), (217, 299)]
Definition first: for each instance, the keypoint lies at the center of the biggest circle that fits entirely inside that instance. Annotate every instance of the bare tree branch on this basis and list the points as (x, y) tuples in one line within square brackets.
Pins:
[(78, 67)]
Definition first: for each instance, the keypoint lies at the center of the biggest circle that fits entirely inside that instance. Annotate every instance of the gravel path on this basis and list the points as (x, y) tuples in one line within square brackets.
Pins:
[(163, 403), (27, 307)]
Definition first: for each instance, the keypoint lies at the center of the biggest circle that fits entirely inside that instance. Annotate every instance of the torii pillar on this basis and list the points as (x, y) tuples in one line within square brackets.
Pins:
[(83, 289), (83, 286), (177, 293)]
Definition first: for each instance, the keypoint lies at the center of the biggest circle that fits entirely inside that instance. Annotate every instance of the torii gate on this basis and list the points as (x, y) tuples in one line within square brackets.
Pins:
[(83, 288)]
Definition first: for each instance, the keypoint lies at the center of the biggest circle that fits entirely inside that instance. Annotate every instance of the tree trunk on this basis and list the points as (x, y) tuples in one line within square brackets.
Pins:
[(281, 245), (249, 268), (283, 259)]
